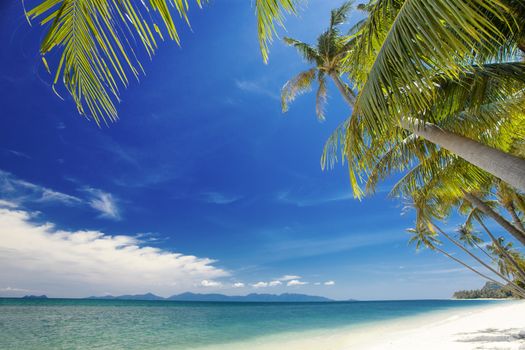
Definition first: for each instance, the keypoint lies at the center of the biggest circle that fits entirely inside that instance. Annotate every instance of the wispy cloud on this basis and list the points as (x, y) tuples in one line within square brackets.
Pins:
[(238, 285), (79, 263), (20, 191), (274, 283), (329, 283), (103, 202), (313, 199), (289, 277), (219, 198), (256, 87), (13, 289), (17, 153), (284, 249)]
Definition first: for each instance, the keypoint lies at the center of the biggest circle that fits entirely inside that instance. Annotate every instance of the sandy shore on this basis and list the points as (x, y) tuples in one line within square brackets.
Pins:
[(494, 327), (500, 326)]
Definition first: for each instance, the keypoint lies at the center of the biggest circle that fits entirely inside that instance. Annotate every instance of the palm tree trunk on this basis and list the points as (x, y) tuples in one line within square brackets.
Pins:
[(466, 265), (485, 252), (348, 95), (512, 284), (478, 203), (503, 251), (515, 218), (504, 166)]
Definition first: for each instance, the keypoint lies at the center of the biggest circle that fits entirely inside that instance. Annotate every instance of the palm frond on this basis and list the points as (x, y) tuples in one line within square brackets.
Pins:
[(93, 39), (300, 84), (269, 14), (339, 15), (308, 52), (406, 43)]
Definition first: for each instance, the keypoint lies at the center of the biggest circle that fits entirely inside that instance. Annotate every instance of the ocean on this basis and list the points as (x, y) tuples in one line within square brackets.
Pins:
[(171, 325)]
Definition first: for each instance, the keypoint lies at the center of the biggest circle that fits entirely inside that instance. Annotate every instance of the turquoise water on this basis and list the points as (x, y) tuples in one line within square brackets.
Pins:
[(108, 324)]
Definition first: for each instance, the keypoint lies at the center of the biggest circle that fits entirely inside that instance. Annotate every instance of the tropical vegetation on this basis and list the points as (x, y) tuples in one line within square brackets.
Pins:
[(489, 290)]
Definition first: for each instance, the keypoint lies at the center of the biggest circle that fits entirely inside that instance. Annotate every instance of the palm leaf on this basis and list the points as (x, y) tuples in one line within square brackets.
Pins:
[(406, 43), (93, 40), (298, 85), (308, 52), (339, 15), (269, 13)]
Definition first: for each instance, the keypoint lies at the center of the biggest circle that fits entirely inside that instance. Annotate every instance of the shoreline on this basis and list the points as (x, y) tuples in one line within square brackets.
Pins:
[(499, 326)]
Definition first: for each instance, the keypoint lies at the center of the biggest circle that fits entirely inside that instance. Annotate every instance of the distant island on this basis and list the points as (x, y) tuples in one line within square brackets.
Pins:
[(254, 297), (34, 297), (490, 290)]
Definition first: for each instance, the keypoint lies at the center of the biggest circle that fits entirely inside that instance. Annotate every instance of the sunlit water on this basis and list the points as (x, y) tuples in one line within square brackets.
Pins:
[(107, 324)]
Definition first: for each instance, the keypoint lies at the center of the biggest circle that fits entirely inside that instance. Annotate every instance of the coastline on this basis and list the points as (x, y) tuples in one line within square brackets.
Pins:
[(499, 326)]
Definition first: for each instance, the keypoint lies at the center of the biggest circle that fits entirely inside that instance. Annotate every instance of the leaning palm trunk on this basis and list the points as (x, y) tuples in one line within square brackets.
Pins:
[(515, 218), (514, 286), (467, 266), (513, 230), (503, 251), (504, 166)]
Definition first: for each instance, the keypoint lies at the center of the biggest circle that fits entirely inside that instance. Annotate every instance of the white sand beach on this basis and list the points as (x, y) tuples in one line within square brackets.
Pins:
[(500, 326), (493, 327)]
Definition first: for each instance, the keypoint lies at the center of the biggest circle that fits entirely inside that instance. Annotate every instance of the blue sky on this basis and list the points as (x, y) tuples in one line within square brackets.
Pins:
[(202, 185)]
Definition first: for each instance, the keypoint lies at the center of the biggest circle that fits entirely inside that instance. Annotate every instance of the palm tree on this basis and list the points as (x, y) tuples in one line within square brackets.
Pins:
[(427, 232), (426, 239), (406, 44), (99, 43), (471, 238), (326, 58)]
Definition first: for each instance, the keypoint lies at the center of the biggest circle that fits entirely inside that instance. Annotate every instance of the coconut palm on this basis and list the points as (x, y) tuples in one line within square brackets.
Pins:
[(326, 58), (99, 42), (426, 239), (405, 45), (427, 232), (471, 238)]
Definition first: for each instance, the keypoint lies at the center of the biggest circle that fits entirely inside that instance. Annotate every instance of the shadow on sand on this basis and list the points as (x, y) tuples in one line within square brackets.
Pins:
[(492, 338)]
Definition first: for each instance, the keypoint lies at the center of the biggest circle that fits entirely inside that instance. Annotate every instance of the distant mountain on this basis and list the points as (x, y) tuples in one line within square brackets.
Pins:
[(147, 296), (34, 297), (254, 297)]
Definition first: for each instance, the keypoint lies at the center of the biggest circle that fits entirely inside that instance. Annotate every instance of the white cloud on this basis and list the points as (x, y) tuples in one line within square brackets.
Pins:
[(295, 283), (18, 153), (11, 289), (329, 283), (256, 87), (238, 285), (317, 283), (53, 196), (275, 283), (104, 203), (260, 285), (16, 190), (289, 278), (80, 263), (219, 198), (207, 283)]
